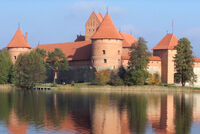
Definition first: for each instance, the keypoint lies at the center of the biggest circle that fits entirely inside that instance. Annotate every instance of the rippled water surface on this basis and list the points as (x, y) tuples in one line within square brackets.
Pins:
[(32, 112)]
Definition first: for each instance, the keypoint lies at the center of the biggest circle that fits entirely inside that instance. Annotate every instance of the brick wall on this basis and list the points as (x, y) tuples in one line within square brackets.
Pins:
[(106, 53), (15, 52)]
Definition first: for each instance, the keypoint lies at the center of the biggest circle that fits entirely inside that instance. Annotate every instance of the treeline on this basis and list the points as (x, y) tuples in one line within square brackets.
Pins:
[(31, 68)]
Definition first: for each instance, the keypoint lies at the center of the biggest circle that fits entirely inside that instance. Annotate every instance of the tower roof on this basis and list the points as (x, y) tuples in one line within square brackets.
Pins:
[(168, 42), (107, 30), (99, 16), (19, 40)]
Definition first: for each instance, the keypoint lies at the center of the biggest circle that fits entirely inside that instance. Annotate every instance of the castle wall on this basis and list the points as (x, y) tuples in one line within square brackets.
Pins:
[(196, 70), (154, 67), (167, 64), (125, 51), (80, 63), (125, 63), (15, 52), (171, 66), (106, 53)]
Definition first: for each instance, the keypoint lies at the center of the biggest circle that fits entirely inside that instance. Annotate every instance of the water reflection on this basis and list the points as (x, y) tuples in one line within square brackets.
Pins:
[(20, 111)]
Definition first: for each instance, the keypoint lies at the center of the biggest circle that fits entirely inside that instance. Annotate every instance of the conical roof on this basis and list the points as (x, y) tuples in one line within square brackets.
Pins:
[(19, 40), (107, 30), (168, 42)]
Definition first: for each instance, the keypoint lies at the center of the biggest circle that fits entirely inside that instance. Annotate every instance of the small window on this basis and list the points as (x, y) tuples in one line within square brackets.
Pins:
[(15, 57), (118, 52), (104, 51), (105, 60)]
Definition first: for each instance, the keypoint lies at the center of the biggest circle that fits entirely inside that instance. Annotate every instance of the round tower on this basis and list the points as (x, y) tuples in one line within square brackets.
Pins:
[(18, 45), (106, 46)]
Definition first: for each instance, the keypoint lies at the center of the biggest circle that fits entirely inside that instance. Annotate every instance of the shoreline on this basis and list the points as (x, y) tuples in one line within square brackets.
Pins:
[(86, 88)]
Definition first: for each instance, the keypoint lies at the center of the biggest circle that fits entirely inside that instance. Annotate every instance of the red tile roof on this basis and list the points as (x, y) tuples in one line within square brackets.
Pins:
[(107, 30), (73, 50), (125, 57), (129, 39), (196, 59), (152, 58), (99, 16), (19, 40), (168, 42)]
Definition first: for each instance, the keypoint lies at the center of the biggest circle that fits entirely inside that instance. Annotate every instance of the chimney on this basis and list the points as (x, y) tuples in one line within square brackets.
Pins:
[(26, 36)]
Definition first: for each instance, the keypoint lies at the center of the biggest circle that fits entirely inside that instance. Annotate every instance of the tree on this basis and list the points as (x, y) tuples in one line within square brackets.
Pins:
[(6, 67), (31, 70), (184, 62), (137, 65), (57, 61)]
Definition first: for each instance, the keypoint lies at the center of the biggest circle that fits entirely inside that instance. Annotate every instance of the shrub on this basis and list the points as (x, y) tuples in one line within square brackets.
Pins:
[(154, 79), (115, 79), (136, 77), (102, 77)]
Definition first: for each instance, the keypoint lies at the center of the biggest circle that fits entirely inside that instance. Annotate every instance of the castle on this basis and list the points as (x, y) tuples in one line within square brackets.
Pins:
[(103, 47)]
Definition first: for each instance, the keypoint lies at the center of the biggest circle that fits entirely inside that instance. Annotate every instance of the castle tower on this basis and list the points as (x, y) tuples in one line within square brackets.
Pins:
[(18, 45), (165, 49), (106, 46), (92, 24)]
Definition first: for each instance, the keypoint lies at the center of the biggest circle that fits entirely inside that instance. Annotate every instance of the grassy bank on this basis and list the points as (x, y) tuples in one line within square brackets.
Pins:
[(6, 87), (87, 87), (125, 89)]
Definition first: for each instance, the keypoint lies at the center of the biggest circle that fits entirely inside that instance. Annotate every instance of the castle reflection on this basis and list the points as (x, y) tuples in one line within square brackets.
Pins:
[(38, 112)]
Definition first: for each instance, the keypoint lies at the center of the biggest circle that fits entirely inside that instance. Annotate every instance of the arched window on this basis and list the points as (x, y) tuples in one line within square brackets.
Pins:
[(105, 60)]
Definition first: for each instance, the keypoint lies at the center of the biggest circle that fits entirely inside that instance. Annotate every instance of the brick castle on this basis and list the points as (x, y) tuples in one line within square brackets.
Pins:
[(103, 47)]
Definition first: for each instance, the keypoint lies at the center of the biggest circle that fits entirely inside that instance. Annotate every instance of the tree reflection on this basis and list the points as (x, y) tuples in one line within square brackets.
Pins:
[(137, 108), (5, 106), (183, 114)]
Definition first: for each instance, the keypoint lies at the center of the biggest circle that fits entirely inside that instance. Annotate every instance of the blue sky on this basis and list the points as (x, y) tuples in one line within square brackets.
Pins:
[(57, 21)]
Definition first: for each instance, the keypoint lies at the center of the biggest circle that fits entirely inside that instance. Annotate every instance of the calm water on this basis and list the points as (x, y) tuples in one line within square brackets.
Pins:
[(75, 113)]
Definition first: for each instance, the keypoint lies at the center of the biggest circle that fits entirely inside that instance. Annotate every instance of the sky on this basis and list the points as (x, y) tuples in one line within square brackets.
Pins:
[(58, 21)]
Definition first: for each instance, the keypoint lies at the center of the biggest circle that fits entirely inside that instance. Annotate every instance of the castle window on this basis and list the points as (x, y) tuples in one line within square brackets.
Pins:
[(118, 52), (15, 57), (104, 51), (105, 60)]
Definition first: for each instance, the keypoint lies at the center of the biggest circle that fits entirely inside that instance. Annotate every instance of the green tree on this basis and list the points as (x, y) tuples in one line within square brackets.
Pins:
[(137, 65), (184, 62), (6, 67), (57, 61), (30, 70)]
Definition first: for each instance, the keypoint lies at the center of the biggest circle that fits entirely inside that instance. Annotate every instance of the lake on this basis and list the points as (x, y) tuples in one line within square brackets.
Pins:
[(36, 112)]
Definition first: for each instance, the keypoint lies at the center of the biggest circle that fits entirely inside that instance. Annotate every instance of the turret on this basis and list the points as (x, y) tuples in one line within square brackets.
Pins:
[(106, 46), (165, 49), (18, 45)]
